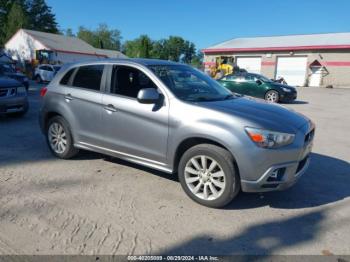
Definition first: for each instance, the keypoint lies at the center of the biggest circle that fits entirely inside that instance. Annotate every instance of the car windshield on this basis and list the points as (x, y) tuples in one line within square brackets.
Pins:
[(189, 84), (263, 78)]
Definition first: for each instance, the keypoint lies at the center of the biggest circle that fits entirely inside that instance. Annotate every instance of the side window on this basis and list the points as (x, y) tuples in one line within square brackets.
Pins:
[(249, 78), (89, 77), (65, 79), (230, 78), (49, 68), (128, 81)]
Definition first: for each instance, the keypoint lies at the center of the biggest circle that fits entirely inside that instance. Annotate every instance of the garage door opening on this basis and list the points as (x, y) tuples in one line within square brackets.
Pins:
[(292, 69)]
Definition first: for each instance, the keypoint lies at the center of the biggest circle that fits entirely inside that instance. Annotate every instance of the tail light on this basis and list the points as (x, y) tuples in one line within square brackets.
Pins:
[(43, 91)]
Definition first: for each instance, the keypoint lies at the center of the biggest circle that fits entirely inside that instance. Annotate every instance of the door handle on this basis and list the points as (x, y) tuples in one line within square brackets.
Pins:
[(110, 108), (68, 97)]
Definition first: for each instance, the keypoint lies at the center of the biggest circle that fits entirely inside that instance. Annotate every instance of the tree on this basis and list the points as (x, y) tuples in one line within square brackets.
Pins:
[(69, 32), (5, 8), (102, 37), (197, 60), (139, 47), (38, 16), (158, 50), (16, 19), (174, 48), (41, 17)]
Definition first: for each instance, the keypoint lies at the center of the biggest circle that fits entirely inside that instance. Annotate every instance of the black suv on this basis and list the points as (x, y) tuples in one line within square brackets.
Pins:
[(9, 71)]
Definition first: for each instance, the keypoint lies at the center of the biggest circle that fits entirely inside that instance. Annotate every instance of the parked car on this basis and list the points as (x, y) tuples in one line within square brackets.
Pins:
[(45, 72), (174, 118), (259, 86), (13, 97), (9, 71)]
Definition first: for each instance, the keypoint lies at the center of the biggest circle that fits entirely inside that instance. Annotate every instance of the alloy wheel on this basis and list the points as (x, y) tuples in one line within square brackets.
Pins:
[(272, 97), (205, 177), (57, 138)]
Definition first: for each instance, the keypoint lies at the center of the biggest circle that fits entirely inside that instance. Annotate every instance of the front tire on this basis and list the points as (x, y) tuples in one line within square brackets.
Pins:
[(272, 96), (59, 138), (208, 175)]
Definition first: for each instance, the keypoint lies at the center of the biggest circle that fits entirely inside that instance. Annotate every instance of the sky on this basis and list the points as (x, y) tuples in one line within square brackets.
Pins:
[(205, 22)]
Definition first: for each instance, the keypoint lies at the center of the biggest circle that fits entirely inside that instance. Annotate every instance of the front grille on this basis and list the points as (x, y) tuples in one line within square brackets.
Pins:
[(301, 164), (309, 136), (7, 92), (3, 92)]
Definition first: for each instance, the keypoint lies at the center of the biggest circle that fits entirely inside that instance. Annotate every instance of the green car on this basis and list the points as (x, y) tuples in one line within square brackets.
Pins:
[(259, 86)]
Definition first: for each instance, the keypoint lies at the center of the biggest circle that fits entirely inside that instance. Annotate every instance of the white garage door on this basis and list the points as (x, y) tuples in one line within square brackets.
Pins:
[(251, 64), (292, 69)]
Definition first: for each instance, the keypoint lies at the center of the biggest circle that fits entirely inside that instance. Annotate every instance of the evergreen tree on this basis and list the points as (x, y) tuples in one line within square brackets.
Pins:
[(41, 17), (5, 8), (16, 19)]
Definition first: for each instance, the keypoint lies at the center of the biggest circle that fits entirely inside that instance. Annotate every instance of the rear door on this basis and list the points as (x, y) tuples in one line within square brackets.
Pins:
[(129, 127), (83, 96), (234, 83)]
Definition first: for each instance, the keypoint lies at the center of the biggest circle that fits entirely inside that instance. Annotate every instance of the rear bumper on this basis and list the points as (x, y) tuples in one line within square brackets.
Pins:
[(13, 104)]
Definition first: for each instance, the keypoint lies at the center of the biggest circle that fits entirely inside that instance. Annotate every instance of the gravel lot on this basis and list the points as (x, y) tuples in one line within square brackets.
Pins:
[(98, 205)]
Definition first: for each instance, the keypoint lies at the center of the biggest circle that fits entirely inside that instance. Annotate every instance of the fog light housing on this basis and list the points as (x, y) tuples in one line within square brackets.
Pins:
[(276, 175)]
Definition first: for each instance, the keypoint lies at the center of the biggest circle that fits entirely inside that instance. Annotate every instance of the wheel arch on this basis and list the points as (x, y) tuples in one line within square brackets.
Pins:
[(189, 142)]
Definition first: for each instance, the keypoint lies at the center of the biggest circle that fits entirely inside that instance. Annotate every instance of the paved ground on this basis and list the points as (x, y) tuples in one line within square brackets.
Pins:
[(98, 205)]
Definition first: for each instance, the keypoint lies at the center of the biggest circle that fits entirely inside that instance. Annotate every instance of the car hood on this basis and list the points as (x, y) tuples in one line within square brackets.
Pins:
[(279, 85), (262, 114), (17, 76), (6, 82)]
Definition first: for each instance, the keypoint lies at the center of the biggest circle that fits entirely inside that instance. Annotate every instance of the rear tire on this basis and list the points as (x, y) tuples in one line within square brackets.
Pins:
[(208, 175), (59, 138)]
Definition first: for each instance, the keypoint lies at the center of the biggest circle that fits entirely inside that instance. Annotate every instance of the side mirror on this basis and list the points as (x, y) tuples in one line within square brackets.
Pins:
[(148, 96), (258, 81)]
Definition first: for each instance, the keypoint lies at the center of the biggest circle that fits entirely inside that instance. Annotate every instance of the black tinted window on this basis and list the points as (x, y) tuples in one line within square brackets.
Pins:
[(65, 79), (89, 77), (230, 78), (128, 81), (249, 78)]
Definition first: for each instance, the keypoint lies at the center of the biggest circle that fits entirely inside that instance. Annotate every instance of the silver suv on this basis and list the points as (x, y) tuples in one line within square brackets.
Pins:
[(174, 118)]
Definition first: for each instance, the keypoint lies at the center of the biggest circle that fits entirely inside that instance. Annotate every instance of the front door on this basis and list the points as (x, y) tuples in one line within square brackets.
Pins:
[(130, 128)]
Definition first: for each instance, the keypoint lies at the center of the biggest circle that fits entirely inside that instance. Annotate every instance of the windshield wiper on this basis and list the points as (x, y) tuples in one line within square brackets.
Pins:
[(228, 97), (206, 99)]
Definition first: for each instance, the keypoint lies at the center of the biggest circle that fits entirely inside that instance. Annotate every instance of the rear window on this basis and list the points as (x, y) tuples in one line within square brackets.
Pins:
[(89, 77), (65, 79)]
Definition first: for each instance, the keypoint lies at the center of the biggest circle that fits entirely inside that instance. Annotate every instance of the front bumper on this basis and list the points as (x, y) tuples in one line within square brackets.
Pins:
[(291, 173), (286, 97), (281, 168), (13, 104)]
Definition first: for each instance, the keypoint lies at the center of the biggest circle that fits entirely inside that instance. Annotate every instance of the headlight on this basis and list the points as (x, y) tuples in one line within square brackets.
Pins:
[(25, 79), (286, 89), (269, 139), (21, 90)]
